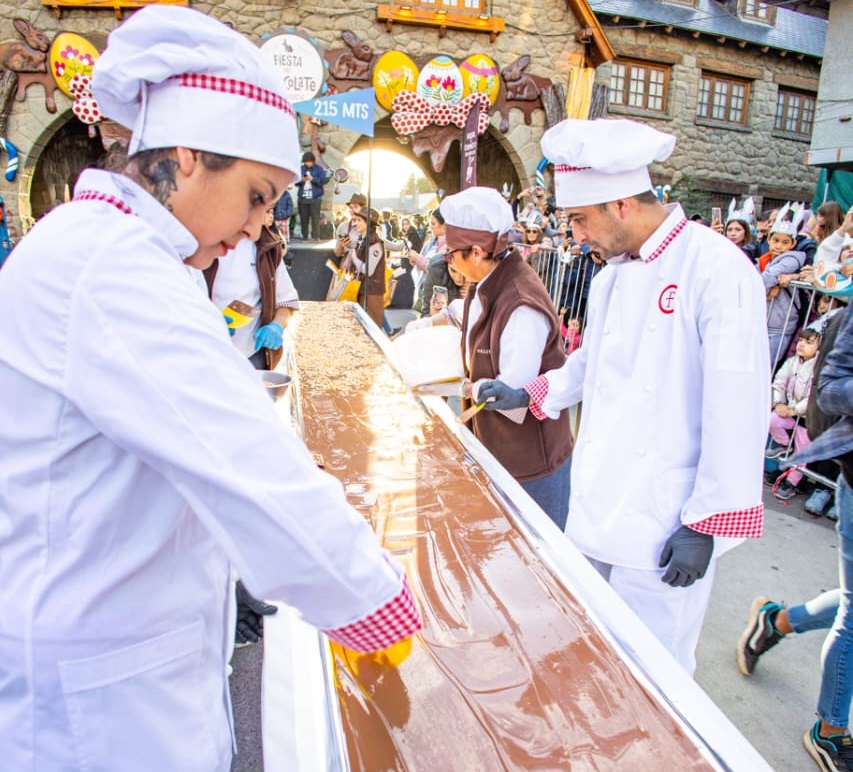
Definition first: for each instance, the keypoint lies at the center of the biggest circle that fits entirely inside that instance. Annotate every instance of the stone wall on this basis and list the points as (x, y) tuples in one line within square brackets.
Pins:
[(752, 160), (546, 35)]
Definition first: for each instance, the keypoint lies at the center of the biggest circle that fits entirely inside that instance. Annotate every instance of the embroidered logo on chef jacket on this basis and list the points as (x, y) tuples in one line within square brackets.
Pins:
[(666, 300), (486, 351)]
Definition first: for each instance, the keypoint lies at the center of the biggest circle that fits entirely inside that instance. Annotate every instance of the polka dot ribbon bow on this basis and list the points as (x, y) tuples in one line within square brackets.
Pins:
[(85, 106), (413, 113)]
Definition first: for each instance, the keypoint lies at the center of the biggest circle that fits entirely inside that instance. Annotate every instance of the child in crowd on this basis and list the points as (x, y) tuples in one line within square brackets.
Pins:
[(779, 267), (791, 387), (571, 332)]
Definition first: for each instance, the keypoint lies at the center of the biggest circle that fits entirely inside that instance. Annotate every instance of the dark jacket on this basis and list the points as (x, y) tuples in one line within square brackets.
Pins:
[(318, 180), (534, 448), (283, 207)]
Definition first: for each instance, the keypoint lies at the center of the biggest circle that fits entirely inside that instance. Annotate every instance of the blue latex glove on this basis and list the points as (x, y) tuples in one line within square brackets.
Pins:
[(502, 397), (228, 320), (688, 553), (269, 336)]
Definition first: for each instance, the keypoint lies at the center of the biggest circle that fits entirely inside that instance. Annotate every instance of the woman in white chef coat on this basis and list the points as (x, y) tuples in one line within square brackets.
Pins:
[(254, 273), (667, 467), (142, 461)]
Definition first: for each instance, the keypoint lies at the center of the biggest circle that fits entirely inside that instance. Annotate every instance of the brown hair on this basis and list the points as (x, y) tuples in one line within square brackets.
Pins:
[(833, 216)]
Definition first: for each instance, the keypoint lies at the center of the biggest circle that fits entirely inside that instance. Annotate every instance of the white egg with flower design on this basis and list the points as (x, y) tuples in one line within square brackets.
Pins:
[(440, 81)]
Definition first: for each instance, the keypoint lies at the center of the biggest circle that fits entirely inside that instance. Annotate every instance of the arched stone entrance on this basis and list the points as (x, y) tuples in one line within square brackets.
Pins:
[(496, 160), (62, 151)]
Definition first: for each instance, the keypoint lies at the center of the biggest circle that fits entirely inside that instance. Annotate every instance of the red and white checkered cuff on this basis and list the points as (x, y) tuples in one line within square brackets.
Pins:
[(538, 390), (396, 620), (739, 524)]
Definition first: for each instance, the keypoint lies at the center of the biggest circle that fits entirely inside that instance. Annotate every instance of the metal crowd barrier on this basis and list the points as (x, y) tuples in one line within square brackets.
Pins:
[(798, 309)]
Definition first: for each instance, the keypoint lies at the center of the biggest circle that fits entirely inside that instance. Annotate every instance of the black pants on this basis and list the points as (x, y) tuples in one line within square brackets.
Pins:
[(309, 210)]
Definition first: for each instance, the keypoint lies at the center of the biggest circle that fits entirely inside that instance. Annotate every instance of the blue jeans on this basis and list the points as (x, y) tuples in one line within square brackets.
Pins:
[(834, 610), (551, 492)]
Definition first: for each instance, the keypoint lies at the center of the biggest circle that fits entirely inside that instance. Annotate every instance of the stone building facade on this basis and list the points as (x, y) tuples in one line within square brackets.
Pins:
[(556, 35), (758, 152)]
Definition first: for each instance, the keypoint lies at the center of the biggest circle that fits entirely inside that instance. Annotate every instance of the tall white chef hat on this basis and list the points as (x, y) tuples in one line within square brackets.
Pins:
[(177, 77), (602, 160), (477, 216)]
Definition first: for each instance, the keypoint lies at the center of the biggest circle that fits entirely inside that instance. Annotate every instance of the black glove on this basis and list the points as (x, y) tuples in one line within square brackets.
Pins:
[(502, 396), (250, 616), (688, 553)]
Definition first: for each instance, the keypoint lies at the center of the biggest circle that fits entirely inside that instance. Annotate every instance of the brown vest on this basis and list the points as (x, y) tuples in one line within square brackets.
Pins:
[(267, 260), (533, 448)]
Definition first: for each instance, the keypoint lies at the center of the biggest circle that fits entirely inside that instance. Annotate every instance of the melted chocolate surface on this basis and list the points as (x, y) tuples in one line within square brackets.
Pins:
[(509, 673)]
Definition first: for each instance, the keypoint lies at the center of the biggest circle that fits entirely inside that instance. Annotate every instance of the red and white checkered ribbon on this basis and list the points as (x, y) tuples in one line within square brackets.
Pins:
[(668, 239), (232, 86), (564, 169), (96, 195), (737, 524), (413, 112), (538, 390), (396, 620)]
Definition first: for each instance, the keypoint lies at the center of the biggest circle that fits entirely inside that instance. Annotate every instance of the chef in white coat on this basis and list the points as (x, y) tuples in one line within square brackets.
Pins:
[(142, 460), (673, 374)]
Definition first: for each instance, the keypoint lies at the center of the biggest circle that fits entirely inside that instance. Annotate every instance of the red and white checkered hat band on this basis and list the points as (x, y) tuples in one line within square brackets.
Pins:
[(232, 86), (220, 115), (585, 186)]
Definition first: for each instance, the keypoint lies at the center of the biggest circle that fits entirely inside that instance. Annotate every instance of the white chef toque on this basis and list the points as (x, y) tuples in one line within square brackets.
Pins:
[(602, 160), (177, 77), (477, 216)]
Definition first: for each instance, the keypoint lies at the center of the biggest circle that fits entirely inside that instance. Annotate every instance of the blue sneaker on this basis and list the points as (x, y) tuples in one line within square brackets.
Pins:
[(833, 753), (832, 513), (760, 634), (818, 501)]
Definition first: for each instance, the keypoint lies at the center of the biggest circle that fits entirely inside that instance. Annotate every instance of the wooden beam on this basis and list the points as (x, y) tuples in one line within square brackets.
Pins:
[(696, 34), (722, 39), (741, 44), (642, 23), (444, 20), (668, 29), (115, 5)]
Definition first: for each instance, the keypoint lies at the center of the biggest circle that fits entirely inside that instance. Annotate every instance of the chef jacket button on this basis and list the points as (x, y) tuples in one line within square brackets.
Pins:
[(629, 512), (642, 451), (598, 384), (653, 327), (647, 387), (607, 331)]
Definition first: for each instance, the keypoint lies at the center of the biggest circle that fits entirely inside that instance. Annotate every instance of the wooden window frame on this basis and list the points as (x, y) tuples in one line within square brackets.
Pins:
[(631, 64), (765, 12), (438, 13), (715, 78), (780, 120)]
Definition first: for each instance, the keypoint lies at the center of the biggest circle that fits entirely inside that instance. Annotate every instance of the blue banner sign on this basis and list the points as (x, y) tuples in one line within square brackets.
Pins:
[(352, 109)]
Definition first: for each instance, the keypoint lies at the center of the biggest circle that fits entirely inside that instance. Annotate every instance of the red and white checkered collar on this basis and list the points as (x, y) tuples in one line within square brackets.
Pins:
[(666, 233), (97, 195)]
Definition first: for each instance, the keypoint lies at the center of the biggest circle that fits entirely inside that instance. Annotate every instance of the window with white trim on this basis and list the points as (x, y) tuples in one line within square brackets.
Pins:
[(723, 99), (794, 112), (639, 84)]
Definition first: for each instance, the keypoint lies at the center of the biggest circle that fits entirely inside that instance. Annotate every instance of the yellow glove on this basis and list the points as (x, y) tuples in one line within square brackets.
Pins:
[(394, 655)]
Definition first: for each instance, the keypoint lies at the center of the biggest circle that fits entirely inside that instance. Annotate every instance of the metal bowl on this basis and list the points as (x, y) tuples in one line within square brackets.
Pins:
[(276, 383)]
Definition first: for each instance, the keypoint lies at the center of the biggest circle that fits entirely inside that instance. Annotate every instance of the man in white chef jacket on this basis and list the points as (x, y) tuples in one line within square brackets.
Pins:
[(673, 375), (142, 460)]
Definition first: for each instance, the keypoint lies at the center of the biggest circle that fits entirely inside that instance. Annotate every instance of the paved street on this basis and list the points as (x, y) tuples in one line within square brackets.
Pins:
[(794, 561)]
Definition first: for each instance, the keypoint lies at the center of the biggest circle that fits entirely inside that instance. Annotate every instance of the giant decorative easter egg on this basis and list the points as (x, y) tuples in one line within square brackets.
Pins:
[(393, 73), (480, 73), (71, 55), (440, 81)]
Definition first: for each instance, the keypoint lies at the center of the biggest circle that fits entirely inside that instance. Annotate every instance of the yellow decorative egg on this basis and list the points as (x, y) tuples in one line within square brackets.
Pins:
[(480, 73), (393, 73), (70, 55), (440, 81)]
